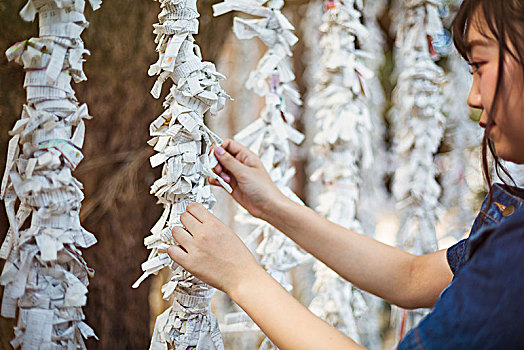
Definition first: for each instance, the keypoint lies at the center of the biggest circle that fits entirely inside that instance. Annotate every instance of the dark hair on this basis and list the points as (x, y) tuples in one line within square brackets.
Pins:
[(505, 20)]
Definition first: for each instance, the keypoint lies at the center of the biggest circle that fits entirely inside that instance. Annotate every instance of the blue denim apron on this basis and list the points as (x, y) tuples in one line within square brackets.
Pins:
[(483, 307), (505, 201)]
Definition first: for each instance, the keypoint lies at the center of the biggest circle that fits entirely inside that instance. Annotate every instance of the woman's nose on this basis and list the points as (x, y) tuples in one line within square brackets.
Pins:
[(474, 98)]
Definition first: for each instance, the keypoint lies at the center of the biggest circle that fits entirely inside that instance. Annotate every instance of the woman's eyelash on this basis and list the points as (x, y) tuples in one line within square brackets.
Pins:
[(474, 66)]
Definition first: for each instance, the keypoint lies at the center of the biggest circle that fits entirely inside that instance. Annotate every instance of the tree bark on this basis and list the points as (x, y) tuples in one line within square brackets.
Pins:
[(12, 98)]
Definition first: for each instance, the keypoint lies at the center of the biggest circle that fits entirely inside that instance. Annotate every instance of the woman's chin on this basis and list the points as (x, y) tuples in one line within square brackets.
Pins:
[(513, 157)]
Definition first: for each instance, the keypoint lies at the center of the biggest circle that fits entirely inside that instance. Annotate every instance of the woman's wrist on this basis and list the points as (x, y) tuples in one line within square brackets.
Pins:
[(251, 278), (275, 207)]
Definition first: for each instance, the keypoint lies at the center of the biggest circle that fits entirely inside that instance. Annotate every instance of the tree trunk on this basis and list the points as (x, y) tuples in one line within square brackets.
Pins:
[(12, 98)]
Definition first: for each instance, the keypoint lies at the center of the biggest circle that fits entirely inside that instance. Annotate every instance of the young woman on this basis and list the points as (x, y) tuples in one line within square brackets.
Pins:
[(476, 287)]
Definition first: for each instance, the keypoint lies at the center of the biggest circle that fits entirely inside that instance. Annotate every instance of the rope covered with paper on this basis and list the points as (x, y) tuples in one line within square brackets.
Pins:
[(271, 134), (45, 276), (342, 147), (373, 187), (418, 124), (184, 146)]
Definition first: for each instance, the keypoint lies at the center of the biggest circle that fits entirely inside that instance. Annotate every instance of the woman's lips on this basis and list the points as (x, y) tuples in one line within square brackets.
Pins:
[(483, 125)]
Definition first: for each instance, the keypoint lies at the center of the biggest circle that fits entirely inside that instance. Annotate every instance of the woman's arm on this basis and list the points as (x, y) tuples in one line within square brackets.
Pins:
[(214, 254), (399, 277), (288, 323)]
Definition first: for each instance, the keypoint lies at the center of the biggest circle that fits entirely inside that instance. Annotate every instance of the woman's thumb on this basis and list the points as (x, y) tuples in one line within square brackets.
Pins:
[(230, 163)]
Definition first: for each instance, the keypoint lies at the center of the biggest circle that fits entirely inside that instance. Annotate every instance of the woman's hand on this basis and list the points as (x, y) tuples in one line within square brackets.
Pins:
[(252, 186), (211, 251), (215, 255)]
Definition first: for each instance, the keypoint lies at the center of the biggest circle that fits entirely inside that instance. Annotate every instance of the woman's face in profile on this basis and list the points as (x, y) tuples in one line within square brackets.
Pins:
[(507, 132)]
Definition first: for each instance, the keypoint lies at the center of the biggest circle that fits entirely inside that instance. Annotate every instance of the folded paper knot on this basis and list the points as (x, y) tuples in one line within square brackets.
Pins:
[(194, 304)]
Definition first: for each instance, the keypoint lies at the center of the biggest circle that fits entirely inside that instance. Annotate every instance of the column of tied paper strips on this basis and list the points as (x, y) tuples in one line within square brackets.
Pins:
[(271, 134), (184, 146), (372, 186), (342, 146), (418, 124), (45, 276)]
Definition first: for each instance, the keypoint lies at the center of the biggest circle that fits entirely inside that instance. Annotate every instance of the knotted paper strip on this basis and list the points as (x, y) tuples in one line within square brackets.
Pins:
[(45, 276), (184, 146), (270, 135)]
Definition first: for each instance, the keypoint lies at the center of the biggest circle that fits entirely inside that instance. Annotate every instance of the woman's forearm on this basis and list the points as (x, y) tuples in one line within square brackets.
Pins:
[(215, 254), (287, 323), (399, 277), (392, 274)]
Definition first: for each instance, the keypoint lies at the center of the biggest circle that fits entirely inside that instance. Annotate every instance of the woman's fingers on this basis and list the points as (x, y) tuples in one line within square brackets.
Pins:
[(178, 254), (233, 147), (236, 148), (228, 161), (225, 176), (191, 223), (198, 212), (240, 152), (220, 172), (214, 182), (218, 169), (181, 236)]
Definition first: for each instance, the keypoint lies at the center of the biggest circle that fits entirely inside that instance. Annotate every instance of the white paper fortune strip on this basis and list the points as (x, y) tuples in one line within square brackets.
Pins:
[(372, 189), (45, 276), (271, 134), (418, 125), (184, 146), (343, 143)]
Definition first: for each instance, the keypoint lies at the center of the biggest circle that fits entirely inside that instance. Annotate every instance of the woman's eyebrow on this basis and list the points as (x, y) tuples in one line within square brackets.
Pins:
[(477, 42)]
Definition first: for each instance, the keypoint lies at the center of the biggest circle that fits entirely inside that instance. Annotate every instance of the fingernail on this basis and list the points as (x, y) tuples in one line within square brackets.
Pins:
[(220, 151), (225, 177)]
